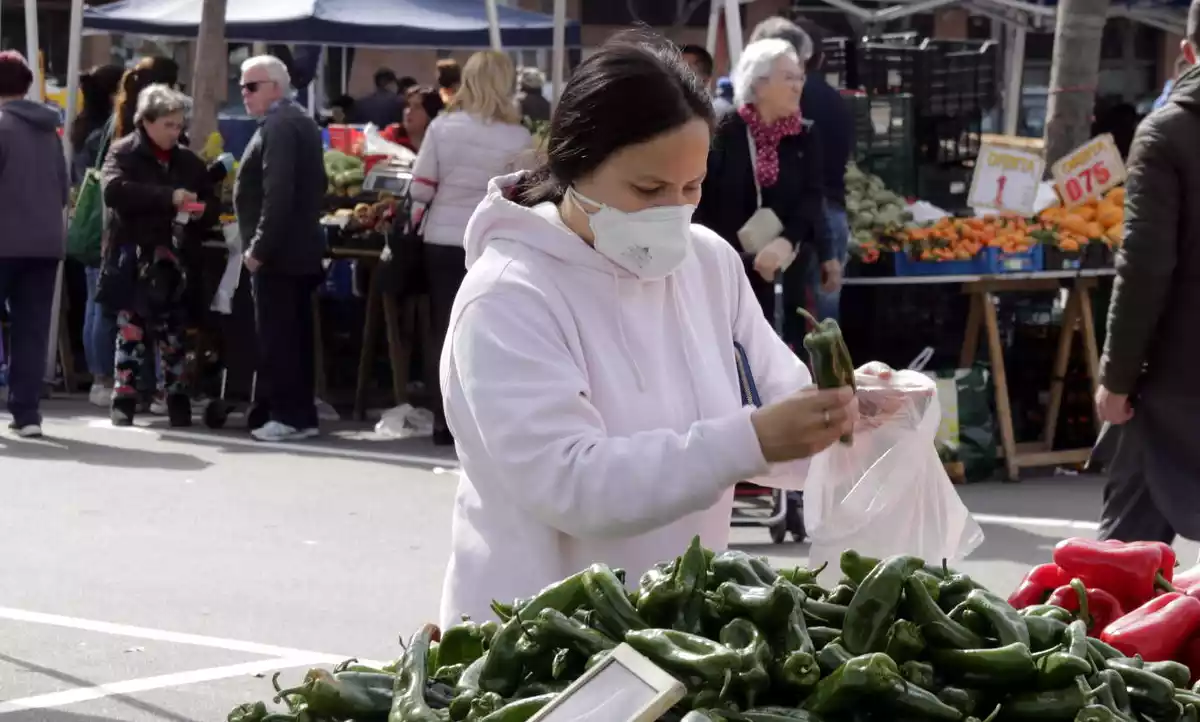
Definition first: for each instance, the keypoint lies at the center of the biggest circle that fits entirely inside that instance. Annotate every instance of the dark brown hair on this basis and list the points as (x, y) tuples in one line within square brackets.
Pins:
[(147, 72), (449, 74), (431, 99), (15, 75)]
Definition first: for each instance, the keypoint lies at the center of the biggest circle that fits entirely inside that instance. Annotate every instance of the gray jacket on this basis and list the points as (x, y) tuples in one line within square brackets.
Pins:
[(279, 191), (34, 183)]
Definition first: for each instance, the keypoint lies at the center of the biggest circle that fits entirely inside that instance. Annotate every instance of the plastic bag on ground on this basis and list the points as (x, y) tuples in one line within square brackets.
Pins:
[(405, 421), (888, 492)]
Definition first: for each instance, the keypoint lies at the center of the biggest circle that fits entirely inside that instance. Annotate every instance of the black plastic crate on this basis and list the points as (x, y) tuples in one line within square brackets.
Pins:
[(882, 124), (840, 64), (889, 69), (945, 186), (948, 139), (896, 169), (961, 77)]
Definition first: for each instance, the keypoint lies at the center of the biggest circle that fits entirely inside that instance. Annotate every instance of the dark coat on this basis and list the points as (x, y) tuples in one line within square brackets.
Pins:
[(1152, 345), (279, 193), (138, 195), (728, 200), (827, 109), (34, 185)]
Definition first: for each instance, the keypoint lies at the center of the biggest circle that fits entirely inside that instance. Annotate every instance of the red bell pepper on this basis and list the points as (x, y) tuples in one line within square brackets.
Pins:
[(1186, 580), (1130, 572), (1167, 565), (1158, 629), (1189, 654), (1096, 607), (1038, 584)]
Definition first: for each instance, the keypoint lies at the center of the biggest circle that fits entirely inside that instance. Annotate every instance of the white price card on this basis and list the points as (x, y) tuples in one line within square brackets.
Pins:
[(1006, 179), (623, 687), (1089, 171)]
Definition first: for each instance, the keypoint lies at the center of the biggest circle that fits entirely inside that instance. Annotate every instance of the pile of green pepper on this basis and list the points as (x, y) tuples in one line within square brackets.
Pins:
[(895, 639)]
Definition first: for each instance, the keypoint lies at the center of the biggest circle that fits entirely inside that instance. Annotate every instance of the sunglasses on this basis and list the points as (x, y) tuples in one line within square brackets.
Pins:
[(254, 85)]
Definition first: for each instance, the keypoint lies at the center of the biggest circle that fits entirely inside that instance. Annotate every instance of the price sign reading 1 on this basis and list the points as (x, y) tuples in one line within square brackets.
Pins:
[(1006, 179), (1089, 171)]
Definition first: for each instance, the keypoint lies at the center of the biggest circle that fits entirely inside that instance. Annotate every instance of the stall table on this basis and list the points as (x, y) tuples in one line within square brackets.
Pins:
[(1077, 316)]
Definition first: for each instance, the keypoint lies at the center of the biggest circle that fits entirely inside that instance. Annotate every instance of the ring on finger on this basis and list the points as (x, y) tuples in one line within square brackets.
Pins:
[(828, 419)]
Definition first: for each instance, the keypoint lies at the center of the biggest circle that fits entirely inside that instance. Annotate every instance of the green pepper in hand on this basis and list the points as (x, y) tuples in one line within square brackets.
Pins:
[(831, 364)]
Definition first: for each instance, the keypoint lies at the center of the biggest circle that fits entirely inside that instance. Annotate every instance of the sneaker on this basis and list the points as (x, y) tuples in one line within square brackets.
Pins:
[(274, 431), (159, 406), (100, 395), (28, 431)]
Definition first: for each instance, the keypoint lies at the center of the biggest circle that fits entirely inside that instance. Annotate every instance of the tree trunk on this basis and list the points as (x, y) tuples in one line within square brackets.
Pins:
[(211, 71), (1074, 75)]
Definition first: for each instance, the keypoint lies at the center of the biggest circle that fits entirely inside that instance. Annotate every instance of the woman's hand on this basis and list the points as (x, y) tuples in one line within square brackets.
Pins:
[(880, 400), (182, 197), (805, 423), (831, 276), (773, 258)]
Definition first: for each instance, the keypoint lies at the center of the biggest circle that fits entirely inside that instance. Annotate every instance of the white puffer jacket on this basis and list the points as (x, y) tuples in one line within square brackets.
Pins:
[(461, 153)]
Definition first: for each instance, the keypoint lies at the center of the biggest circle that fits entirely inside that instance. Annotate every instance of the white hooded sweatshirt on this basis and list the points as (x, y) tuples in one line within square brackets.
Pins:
[(597, 415)]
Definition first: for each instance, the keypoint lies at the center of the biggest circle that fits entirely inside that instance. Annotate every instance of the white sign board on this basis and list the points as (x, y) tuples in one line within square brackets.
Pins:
[(623, 687), (1089, 171), (1006, 179)]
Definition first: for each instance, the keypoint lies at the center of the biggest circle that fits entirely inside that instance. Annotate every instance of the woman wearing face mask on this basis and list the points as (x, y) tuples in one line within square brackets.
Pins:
[(152, 189), (589, 375), (766, 160)]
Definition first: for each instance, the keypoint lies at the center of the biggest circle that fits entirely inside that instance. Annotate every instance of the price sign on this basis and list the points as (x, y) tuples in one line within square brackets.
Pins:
[(1006, 179), (1089, 171), (623, 687)]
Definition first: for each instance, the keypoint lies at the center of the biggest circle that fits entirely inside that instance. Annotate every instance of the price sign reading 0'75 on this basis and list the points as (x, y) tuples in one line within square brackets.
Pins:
[(1089, 171)]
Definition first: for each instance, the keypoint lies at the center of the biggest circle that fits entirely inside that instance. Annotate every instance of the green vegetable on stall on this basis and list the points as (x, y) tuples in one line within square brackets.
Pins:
[(873, 609), (752, 677), (1060, 667), (408, 699), (686, 654)]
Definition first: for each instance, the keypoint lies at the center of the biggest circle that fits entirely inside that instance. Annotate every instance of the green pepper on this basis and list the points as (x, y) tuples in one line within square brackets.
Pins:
[(449, 674), (488, 631), (823, 613), (828, 356), (821, 636), (752, 648), (842, 595), (855, 566), (567, 664), (954, 587), (1006, 667), (768, 607), (461, 644), (796, 671), (346, 694), (460, 706), (249, 712), (1048, 610), (606, 595), (502, 670), (832, 656), (770, 714), (408, 701), (539, 689), (1044, 632), (553, 629), (1097, 713), (738, 566), (469, 679), (660, 597), (1112, 692), (352, 665), (918, 673), (972, 620), (921, 703), (1057, 705), (904, 641), (1004, 620), (937, 626), (873, 609), (483, 705), (686, 654), (1174, 672), (792, 636), (961, 699), (1104, 650), (813, 591), (691, 579), (1148, 692), (802, 575), (1060, 668), (842, 692)]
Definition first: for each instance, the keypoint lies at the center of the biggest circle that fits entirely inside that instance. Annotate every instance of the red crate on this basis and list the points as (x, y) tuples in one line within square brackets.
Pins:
[(345, 138)]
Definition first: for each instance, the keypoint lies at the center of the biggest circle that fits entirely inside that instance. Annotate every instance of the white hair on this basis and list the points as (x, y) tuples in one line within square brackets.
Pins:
[(277, 72), (158, 101), (756, 63)]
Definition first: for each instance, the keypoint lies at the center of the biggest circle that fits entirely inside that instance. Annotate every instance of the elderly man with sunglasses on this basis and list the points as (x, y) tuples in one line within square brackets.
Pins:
[(278, 195)]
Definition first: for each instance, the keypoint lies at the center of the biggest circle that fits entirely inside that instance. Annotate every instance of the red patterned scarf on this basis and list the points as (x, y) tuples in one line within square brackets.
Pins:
[(766, 141)]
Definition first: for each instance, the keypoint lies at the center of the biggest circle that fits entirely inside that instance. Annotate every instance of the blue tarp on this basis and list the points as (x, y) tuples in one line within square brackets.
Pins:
[(383, 23)]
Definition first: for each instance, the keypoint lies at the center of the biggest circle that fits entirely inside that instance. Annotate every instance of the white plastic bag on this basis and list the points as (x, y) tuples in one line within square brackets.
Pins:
[(222, 302), (405, 421), (375, 144), (888, 493)]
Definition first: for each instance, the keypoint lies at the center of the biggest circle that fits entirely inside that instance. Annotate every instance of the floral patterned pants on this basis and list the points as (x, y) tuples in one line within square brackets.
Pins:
[(132, 353)]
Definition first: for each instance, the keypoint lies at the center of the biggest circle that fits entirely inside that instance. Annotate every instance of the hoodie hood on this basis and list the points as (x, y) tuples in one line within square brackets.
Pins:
[(500, 219), (37, 115), (1186, 90)]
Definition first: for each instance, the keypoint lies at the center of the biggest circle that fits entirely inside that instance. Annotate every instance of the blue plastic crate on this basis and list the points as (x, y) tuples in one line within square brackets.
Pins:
[(906, 266), (339, 280), (1027, 262)]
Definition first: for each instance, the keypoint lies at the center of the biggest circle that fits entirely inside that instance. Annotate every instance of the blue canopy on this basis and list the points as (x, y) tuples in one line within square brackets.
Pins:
[(380, 23)]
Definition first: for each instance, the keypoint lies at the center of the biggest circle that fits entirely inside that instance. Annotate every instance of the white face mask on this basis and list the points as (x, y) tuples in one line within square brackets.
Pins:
[(650, 243)]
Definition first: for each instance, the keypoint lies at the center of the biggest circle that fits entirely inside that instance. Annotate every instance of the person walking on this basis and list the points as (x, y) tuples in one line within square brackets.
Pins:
[(479, 137), (34, 191), (1153, 491), (159, 200), (766, 164), (277, 197)]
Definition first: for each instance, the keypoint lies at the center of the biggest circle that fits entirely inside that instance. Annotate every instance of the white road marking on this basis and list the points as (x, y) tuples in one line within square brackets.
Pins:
[(1036, 521), (162, 635), (145, 684)]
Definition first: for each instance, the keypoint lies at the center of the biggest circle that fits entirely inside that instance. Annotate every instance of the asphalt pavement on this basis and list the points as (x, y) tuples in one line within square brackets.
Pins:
[(155, 574)]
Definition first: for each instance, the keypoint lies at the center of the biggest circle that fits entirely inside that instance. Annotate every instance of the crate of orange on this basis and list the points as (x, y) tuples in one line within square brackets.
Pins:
[(1087, 234), (970, 246)]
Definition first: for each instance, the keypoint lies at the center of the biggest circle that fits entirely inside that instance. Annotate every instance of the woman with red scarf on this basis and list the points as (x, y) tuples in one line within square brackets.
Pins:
[(764, 177)]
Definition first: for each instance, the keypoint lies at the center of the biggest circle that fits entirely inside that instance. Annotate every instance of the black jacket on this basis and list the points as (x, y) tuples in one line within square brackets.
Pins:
[(381, 108), (826, 108), (139, 190), (279, 192), (728, 197)]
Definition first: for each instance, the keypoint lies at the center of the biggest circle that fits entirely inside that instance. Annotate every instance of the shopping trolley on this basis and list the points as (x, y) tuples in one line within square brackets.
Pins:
[(778, 510)]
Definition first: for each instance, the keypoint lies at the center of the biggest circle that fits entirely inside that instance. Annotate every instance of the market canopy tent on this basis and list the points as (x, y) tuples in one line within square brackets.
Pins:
[(387, 23)]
